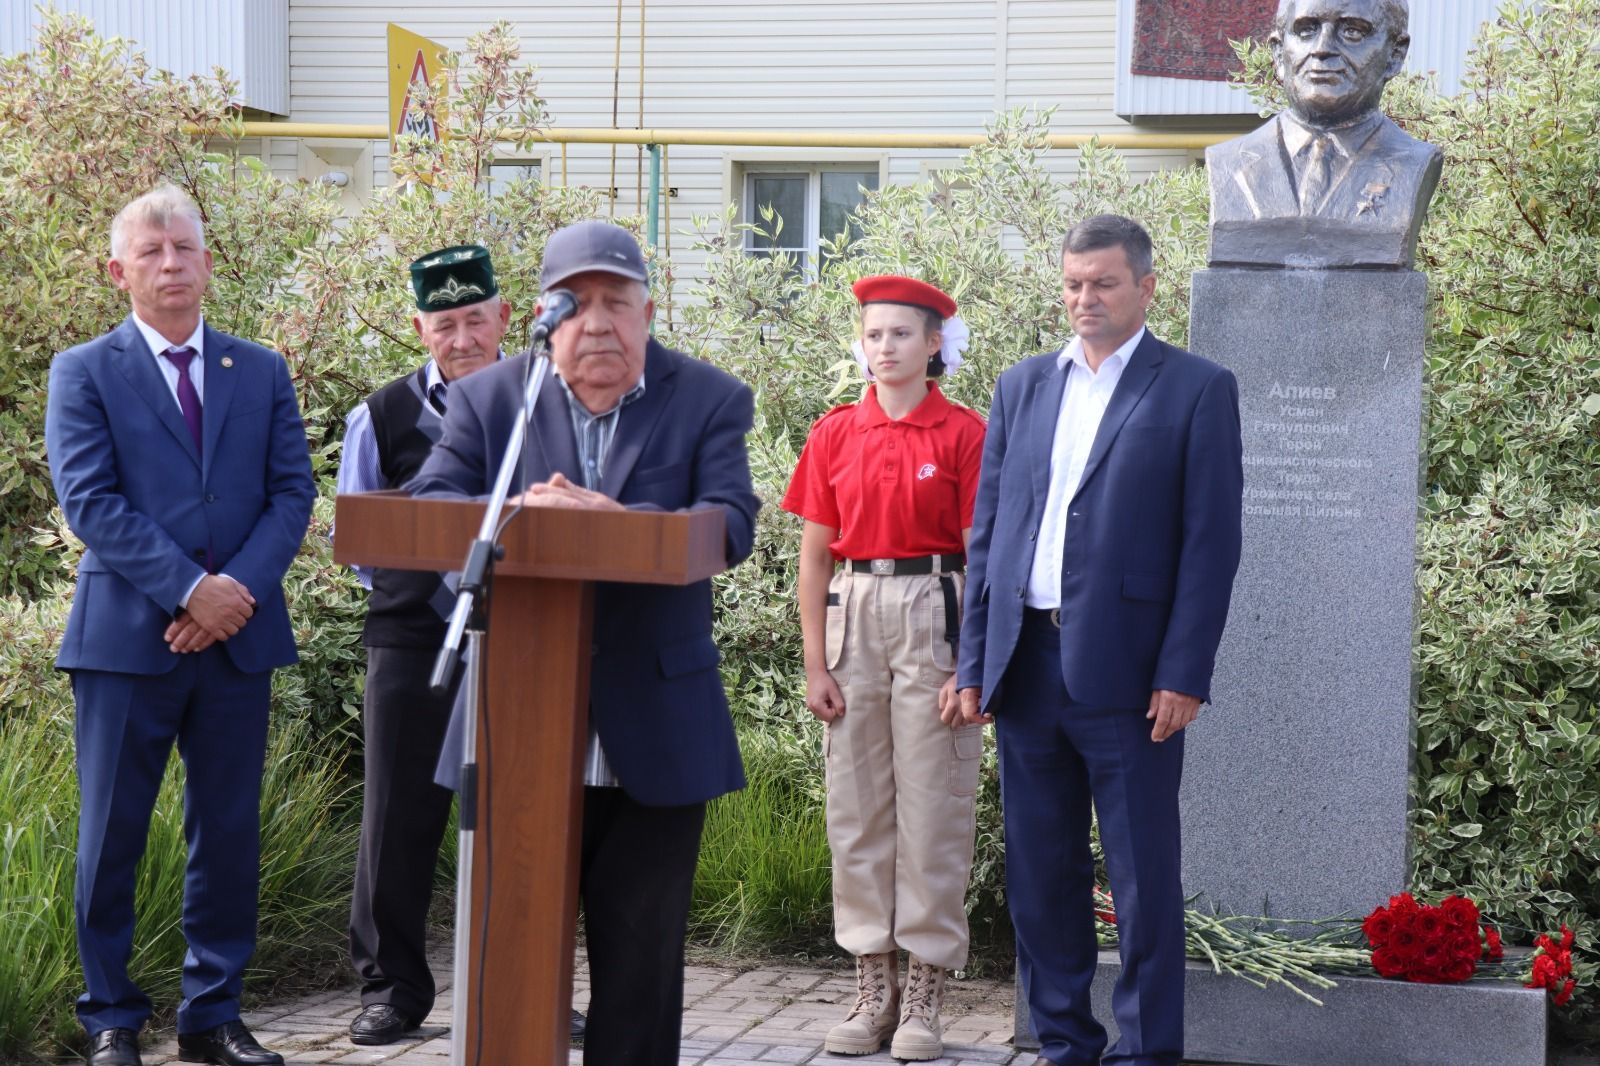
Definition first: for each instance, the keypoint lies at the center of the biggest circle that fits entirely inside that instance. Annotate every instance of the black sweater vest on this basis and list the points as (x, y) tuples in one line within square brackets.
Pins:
[(404, 609)]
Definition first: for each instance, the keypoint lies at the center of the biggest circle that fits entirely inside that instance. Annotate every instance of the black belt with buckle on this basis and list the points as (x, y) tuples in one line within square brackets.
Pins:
[(922, 564), (1042, 616)]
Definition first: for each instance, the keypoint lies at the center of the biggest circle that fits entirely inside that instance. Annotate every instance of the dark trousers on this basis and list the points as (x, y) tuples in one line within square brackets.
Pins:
[(1055, 756), (636, 882), (125, 728), (403, 819)]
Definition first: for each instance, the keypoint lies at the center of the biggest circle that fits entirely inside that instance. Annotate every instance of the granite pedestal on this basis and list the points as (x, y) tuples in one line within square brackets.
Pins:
[(1295, 791), (1365, 1020)]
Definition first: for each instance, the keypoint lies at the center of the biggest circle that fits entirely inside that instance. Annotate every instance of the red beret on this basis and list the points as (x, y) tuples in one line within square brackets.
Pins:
[(894, 289)]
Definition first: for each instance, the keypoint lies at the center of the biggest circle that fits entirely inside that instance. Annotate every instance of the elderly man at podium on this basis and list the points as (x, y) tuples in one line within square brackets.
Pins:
[(624, 422)]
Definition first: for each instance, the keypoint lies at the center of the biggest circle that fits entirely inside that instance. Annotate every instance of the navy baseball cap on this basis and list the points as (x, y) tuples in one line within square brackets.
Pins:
[(591, 245)]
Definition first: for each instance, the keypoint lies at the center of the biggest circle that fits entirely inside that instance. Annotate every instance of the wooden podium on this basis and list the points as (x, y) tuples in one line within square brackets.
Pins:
[(532, 728)]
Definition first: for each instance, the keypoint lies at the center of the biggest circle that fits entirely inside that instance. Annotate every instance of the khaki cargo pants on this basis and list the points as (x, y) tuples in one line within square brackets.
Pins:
[(902, 785)]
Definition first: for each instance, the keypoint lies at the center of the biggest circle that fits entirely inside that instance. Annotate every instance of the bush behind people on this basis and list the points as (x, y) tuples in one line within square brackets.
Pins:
[(1507, 795)]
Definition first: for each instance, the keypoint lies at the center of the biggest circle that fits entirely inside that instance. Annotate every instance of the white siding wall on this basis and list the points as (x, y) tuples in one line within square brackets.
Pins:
[(892, 66), (248, 38), (263, 39), (1065, 54)]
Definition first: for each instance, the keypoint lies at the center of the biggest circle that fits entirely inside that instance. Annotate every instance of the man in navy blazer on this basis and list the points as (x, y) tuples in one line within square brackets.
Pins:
[(179, 460), (624, 422), (1104, 545)]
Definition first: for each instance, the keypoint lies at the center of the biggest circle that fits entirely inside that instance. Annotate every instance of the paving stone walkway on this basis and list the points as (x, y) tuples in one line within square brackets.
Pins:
[(732, 1017)]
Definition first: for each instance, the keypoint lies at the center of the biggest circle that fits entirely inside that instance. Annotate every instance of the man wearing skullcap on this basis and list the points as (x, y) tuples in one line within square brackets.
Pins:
[(460, 319)]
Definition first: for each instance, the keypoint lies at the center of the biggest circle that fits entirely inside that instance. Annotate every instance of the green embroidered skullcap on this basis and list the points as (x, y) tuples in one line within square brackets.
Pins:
[(453, 277)]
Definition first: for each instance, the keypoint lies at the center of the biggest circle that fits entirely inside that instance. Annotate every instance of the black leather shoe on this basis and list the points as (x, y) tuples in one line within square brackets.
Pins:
[(580, 1025), (380, 1023), (229, 1044), (115, 1047)]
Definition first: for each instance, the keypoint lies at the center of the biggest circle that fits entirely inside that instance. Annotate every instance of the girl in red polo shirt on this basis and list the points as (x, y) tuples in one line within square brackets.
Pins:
[(886, 487)]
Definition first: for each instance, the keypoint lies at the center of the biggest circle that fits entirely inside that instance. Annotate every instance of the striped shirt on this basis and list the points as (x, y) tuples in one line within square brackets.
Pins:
[(594, 434)]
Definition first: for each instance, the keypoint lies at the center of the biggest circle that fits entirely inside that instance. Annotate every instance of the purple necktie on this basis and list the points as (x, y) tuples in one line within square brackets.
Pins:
[(188, 398)]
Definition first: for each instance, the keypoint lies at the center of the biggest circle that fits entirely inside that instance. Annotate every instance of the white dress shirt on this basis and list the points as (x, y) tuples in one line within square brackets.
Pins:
[(1083, 405), (169, 371)]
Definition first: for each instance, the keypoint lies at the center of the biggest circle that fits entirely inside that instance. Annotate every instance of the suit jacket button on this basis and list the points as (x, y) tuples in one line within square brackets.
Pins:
[(199, 553), (210, 498)]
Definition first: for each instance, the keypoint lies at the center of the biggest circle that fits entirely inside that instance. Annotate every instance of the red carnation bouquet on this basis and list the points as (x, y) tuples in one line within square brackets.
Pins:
[(1552, 966), (1104, 909), (1429, 944)]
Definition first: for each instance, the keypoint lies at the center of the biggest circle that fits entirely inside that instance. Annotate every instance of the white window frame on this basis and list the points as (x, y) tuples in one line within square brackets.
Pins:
[(740, 172)]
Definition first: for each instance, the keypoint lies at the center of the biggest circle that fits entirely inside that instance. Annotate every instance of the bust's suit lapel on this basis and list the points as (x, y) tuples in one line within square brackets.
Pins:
[(1043, 412), (133, 360), (1265, 175), (220, 382), (1364, 195), (1135, 381), (638, 420)]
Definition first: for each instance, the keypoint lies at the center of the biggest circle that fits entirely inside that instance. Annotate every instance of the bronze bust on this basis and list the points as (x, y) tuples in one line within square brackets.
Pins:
[(1332, 182)]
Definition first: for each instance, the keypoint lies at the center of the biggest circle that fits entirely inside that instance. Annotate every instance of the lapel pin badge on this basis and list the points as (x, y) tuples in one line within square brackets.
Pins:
[(227, 360)]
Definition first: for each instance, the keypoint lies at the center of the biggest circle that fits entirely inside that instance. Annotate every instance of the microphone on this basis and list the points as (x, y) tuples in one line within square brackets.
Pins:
[(559, 305)]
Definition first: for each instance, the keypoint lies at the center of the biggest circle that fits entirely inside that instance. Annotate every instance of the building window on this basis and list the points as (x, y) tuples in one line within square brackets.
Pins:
[(797, 207), (502, 172)]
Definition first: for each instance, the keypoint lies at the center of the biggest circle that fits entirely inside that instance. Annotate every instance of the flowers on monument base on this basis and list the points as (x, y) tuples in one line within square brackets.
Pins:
[(1104, 909), (1443, 944), (1407, 940), (1429, 944), (1552, 967)]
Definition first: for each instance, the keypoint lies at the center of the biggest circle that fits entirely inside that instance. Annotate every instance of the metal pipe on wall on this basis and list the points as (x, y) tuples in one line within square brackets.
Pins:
[(753, 138)]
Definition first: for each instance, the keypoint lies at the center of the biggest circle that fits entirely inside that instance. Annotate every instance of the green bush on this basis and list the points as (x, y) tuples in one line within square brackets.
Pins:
[(87, 126), (1508, 758)]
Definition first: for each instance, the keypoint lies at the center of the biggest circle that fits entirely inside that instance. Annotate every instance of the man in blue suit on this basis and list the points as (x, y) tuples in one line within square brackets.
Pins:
[(180, 462), (1104, 545), (624, 422)]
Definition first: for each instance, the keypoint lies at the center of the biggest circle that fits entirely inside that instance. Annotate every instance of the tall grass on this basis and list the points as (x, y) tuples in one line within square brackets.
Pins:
[(309, 830), (764, 881), (764, 884)]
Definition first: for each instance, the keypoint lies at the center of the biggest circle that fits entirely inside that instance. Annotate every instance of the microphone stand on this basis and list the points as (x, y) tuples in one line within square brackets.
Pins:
[(471, 617)]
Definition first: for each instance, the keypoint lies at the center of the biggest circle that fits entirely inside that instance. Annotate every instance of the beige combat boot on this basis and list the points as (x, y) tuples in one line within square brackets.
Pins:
[(872, 1019), (920, 1036)]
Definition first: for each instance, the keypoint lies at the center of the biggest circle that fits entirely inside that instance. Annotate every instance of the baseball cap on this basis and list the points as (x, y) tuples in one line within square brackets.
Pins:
[(591, 245)]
